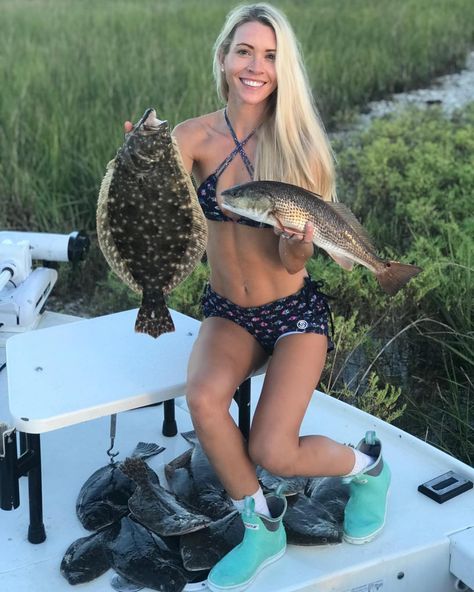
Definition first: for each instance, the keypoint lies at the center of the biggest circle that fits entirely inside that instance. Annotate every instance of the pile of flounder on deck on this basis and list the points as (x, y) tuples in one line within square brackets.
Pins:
[(164, 537)]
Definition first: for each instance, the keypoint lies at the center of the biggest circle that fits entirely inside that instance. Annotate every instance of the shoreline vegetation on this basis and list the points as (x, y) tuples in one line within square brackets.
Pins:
[(72, 72)]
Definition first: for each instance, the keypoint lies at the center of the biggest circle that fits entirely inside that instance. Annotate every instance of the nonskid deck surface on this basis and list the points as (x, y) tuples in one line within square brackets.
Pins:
[(416, 528)]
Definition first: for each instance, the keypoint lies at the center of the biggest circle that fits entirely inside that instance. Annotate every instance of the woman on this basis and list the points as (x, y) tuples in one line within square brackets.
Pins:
[(260, 301)]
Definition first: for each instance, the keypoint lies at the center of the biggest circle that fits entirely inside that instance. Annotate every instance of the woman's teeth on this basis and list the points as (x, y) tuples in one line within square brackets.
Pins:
[(254, 83)]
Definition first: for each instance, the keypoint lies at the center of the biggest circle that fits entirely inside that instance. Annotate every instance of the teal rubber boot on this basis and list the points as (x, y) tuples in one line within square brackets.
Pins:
[(264, 542), (364, 516)]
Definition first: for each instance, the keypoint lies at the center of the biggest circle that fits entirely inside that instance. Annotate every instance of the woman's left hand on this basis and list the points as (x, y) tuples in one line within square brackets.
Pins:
[(295, 236), (295, 247)]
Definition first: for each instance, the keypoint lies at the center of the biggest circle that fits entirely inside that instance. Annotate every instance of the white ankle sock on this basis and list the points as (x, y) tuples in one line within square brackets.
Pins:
[(261, 506), (362, 461)]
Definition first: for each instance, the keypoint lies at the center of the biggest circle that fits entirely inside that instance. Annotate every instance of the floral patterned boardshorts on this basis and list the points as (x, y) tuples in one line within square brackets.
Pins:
[(306, 311)]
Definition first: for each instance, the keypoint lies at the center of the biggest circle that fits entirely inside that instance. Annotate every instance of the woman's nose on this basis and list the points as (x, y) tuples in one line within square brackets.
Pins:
[(255, 65)]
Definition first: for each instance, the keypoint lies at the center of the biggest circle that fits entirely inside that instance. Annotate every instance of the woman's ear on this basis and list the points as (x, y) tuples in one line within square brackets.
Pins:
[(221, 61)]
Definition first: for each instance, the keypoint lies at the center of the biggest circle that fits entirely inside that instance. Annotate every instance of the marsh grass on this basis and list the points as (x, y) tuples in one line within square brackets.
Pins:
[(71, 72), (445, 418), (409, 179)]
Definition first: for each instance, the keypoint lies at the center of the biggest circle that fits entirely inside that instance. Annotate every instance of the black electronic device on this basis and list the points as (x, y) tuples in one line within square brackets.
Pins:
[(445, 486)]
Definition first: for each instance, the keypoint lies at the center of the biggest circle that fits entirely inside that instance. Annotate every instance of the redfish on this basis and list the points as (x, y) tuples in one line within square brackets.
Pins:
[(336, 229)]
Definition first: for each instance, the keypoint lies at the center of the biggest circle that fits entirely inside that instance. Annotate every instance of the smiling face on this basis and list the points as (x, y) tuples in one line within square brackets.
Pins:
[(250, 63)]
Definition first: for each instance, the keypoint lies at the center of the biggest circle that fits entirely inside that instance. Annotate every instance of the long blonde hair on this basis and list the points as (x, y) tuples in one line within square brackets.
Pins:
[(293, 145)]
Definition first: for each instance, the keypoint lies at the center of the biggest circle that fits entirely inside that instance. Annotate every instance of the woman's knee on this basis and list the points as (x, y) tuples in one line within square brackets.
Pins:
[(205, 402)]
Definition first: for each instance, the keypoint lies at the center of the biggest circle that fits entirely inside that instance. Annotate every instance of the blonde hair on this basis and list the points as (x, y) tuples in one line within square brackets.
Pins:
[(293, 145)]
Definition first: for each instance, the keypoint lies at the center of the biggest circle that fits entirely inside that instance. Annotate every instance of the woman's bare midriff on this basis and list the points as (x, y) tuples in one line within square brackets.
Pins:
[(247, 269)]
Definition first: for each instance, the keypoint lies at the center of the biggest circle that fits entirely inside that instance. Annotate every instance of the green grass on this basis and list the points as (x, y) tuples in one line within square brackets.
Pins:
[(72, 71), (409, 179)]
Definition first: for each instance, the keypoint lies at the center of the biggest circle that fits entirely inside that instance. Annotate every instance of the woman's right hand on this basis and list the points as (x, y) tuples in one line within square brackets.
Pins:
[(127, 127)]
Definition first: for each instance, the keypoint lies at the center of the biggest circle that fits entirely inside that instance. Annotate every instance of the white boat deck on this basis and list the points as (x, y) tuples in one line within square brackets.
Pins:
[(413, 554)]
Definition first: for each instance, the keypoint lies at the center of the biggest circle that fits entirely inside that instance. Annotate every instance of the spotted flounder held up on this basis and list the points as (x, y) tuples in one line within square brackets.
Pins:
[(150, 225)]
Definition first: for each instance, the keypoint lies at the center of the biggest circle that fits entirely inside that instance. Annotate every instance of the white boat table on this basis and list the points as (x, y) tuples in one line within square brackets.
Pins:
[(424, 547), (74, 372)]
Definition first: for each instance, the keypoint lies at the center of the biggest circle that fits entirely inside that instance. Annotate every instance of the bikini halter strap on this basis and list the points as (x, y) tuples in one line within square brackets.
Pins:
[(240, 145)]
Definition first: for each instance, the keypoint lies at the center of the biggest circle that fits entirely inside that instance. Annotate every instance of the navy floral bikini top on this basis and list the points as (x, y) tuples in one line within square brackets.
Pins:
[(207, 190)]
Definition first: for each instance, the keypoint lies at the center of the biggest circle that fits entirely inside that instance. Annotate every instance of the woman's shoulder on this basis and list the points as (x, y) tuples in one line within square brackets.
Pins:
[(194, 135), (196, 130)]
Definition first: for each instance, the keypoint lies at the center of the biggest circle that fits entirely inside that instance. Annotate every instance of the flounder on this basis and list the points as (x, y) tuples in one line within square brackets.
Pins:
[(192, 479), (150, 226), (204, 548), (86, 558), (156, 508), (290, 485), (103, 498), (144, 558), (168, 541), (315, 516)]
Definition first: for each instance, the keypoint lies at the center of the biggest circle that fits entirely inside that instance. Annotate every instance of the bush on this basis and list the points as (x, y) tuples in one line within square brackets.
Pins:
[(409, 179)]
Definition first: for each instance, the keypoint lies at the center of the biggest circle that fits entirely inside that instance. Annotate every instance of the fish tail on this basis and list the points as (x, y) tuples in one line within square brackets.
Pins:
[(147, 450), (393, 276), (135, 468), (153, 317)]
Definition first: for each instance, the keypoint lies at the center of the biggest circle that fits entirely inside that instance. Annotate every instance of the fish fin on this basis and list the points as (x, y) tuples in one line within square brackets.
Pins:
[(395, 275), (190, 437), (349, 218), (153, 317), (344, 262), (318, 195), (121, 584), (136, 469), (147, 449), (180, 463)]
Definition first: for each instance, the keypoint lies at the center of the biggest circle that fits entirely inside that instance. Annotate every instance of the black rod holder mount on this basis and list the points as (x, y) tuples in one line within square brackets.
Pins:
[(9, 487), (12, 468)]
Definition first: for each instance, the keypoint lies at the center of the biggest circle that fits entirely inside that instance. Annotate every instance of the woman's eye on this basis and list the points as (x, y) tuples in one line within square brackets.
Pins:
[(242, 52), (271, 57)]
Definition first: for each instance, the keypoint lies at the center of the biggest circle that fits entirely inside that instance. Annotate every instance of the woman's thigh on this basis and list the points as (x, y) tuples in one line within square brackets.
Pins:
[(292, 375), (223, 356)]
